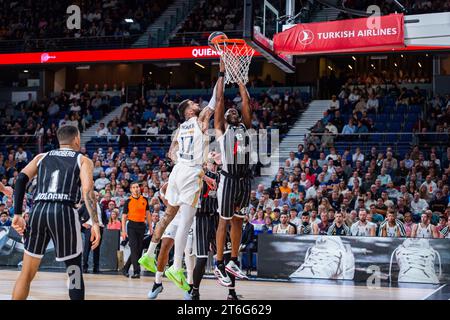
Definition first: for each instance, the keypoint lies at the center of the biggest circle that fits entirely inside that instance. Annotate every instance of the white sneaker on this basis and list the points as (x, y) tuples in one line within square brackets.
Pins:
[(222, 277), (416, 261), (329, 258), (234, 269)]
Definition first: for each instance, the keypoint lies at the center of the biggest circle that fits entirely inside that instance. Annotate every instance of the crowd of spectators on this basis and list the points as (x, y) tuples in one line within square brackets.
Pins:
[(31, 120), (387, 7), (37, 22), (208, 17)]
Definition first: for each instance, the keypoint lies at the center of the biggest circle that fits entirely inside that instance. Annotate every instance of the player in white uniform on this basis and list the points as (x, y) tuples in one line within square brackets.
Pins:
[(424, 229), (390, 228), (167, 242), (185, 183), (362, 227)]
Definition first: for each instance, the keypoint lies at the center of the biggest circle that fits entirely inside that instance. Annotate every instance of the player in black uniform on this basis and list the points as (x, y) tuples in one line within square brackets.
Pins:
[(60, 174), (233, 193), (206, 223)]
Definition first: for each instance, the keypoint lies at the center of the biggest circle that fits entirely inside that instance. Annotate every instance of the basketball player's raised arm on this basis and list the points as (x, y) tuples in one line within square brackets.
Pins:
[(219, 111), (87, 187), (208, 111), (27, 173), (246, 109)]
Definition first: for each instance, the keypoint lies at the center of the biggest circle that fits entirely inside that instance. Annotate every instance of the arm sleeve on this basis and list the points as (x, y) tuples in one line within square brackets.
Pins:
[(125, 207), (19, 192)]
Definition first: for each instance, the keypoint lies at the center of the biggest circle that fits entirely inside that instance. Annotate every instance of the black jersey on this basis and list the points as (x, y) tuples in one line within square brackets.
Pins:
[(235, 147), (208, 197), (58, 177)]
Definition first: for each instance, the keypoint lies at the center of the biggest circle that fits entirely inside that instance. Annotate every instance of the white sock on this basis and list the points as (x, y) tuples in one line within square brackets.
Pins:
[(187, 214), (158, 277), (151, 249), (190, 265)]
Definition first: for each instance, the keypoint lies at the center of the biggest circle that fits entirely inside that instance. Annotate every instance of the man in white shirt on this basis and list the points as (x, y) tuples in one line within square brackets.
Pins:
[(334, 104), (418, 205), (358, 156), (362, 227), (430, 185), (293, 161), (21, 155), (102, 131), (372, 103), (101, 182)]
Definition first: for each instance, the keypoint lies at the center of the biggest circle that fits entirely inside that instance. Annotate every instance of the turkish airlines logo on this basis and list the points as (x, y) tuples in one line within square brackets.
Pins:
[(306, 37), (46, 57)]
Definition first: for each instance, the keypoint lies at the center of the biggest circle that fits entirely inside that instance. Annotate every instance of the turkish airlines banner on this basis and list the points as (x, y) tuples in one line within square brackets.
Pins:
[(384, 32)]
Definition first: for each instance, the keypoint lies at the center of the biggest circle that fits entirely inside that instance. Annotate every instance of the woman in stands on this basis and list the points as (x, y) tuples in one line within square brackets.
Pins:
[(114, 222)]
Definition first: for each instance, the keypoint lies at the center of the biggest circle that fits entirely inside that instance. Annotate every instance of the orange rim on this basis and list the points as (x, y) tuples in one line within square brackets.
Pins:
[(222, 41)]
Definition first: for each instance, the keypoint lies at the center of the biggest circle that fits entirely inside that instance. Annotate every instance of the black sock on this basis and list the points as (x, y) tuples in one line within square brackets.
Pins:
[(232, 278), (235, 260), (76, 282), (199, 271), (219, 262)]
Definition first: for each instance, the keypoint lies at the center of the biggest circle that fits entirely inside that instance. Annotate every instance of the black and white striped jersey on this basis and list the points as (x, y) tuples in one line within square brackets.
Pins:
[(208, 197), (235, 147), (58, 177)]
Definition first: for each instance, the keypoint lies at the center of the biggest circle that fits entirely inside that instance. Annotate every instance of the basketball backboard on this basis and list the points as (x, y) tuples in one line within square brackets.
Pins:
[(261, 22)]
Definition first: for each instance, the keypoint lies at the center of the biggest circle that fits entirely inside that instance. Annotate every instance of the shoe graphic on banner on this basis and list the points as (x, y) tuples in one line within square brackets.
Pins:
[(329, 258), (416, 260)]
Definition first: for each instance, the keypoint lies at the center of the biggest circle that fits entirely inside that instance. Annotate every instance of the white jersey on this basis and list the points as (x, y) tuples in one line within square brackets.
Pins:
[(359, 229), (423, 232), (282, 231), (391, 231), (191, 144)]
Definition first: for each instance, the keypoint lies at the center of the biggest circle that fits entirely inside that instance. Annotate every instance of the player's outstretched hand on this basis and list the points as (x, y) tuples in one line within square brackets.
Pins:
[(222, 66), (95, 236), (210, 182), (8, 191), (19, 224)]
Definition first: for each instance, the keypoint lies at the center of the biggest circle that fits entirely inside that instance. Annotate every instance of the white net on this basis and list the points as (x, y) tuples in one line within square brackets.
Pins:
[(237, 58)]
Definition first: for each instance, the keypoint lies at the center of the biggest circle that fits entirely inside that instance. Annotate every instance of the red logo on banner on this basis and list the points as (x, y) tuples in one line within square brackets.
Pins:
[(341, 36)]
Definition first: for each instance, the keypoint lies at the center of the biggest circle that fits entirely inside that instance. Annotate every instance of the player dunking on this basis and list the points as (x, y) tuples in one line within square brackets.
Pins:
[(60, 173), (185, 181), (206, 222), (235, 181)]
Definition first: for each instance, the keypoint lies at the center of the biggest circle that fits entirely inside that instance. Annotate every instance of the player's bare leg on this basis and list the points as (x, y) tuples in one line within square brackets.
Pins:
[(148, 260), (163, 259), (232, 266), (30, 266)]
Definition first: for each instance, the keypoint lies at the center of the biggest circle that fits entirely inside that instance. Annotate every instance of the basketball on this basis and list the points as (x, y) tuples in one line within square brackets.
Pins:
[(216, 35)]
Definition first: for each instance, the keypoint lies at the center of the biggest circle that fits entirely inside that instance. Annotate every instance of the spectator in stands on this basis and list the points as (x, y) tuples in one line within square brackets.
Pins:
[(5, 220), (114, 223), (338, 228)]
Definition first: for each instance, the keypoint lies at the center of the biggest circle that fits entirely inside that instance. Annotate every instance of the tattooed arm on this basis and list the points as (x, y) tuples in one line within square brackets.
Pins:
[(87, 186)]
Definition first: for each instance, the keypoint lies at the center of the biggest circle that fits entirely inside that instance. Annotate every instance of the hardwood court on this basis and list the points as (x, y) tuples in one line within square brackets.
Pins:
[(52, 286)]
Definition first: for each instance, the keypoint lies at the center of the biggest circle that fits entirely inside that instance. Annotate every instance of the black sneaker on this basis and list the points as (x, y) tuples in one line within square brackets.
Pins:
[(195, 294), (136, 276), (125, 273), (232, 296), (156, 290)]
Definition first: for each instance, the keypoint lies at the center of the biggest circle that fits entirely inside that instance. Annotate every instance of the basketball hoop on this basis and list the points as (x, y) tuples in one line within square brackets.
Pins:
[(236, 56)]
